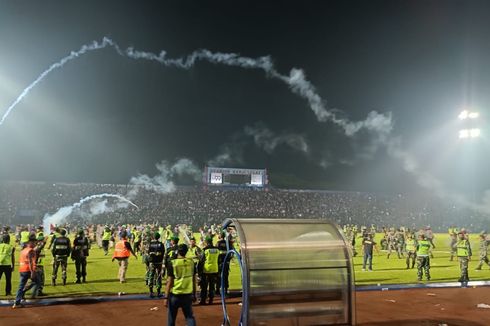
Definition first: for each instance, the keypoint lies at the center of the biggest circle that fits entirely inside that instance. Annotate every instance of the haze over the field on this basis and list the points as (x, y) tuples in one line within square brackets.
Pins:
[(346, 95)]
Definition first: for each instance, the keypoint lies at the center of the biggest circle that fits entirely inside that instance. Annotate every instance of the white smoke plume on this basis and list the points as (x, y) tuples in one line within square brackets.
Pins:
[(268, 140), (163, 183), (296, 80), (377, 123), (64, 212), (229, 154)]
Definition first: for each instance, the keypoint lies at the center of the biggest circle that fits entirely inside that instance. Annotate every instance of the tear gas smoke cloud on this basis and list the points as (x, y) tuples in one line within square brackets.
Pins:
[(267, 140), (229, 154), (100, 208), (377, 123), (163, 182), (296, 80)]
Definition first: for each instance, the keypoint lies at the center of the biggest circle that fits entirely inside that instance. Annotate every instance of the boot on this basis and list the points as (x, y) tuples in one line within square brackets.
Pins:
[(84, 280), (78, 281), (64, 281), (53, 282)]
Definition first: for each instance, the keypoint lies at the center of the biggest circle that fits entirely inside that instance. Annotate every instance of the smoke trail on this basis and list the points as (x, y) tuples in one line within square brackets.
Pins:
[(162, 183), (379, 124), (266, 139), (296, 81), (64, 212)]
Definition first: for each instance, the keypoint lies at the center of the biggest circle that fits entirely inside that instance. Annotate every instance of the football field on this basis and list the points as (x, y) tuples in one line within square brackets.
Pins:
[(102, 273)]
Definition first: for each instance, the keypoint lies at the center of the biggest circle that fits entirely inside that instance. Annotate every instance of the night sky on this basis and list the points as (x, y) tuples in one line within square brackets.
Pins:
[(104, 118)]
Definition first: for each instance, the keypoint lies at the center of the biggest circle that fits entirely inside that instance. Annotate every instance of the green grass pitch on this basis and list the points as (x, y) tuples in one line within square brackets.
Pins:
[(102, 273)]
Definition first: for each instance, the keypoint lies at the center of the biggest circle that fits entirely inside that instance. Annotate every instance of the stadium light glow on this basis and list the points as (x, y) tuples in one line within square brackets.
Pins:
[(469, 133), (474, 133), (464, 134), (465, 114)]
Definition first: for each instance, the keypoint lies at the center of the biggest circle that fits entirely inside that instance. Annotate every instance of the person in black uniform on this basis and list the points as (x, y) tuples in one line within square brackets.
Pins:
[(208, 270), (79, 254), (61, 250), (156, 253), (223, 274), (171, 252)]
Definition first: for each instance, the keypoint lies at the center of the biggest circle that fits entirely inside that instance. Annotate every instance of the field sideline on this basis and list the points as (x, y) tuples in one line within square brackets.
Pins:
[(102, 273)]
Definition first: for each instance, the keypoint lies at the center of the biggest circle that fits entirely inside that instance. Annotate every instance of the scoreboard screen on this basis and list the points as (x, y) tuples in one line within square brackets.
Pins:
[(237, 179)]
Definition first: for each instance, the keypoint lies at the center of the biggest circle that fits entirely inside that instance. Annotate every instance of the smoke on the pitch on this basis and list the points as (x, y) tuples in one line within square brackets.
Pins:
[(164, 182), (267, 140), (94, 209)]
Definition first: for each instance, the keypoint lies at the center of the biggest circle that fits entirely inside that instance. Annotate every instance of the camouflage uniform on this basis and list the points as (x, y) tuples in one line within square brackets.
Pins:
[(463, 250), (400, 243), (423, 260), (392, 243), (454, 239), (145, 247), (483, 251)]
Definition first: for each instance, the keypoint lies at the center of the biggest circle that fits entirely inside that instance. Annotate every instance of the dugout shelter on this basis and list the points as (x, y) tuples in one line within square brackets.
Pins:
[(294, 272)]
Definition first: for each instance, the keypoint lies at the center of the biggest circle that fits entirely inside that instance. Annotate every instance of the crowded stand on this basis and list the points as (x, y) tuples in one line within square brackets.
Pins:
[(27, 203)]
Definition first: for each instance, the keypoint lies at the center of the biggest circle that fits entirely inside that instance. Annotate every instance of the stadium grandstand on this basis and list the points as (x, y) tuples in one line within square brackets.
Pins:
[(28, 202)]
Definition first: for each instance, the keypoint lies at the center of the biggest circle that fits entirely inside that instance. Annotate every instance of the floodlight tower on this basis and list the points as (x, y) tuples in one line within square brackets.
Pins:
[(469, 118)]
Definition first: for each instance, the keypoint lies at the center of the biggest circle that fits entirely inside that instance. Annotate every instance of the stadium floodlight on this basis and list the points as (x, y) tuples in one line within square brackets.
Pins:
[(469, 133), (465, 114), (475, 133), (464, 134)]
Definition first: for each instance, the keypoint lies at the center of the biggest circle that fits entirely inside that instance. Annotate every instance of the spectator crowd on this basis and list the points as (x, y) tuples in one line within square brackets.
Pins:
[(25, 203)]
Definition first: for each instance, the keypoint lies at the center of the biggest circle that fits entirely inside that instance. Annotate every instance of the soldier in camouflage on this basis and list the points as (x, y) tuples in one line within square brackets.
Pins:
[(423, 260), (483, 251), (392, 243), (145, 247), (454, 238), (463, 251)]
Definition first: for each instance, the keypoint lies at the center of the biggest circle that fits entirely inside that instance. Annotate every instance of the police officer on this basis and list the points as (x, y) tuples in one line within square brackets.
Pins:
[(463, 251), (411, 249), (106, 237), (79, 254), (136, 240), (61, 250), (7, 262), (483, 251), (423, 260), (171, 252), (208, 271), (24, 236), (156, 253), (55, 234), (195, 252), (180, 291), (223, 273)]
